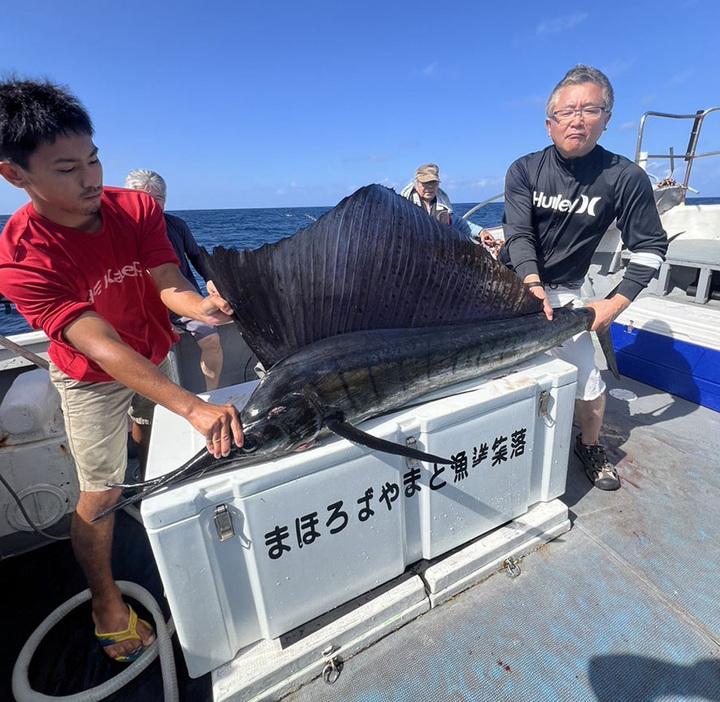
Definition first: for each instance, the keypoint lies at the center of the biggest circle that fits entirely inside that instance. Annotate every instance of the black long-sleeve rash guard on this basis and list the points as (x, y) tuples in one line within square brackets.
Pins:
[(557, 211)]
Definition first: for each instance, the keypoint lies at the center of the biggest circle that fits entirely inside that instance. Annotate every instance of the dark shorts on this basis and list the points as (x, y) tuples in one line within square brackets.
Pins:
[(199, 330)]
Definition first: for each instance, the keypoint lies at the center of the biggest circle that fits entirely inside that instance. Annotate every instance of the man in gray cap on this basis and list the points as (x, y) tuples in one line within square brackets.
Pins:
[(425, 192)]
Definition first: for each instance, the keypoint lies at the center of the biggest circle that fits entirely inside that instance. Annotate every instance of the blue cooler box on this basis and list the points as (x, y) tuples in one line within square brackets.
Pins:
[(671, 346)]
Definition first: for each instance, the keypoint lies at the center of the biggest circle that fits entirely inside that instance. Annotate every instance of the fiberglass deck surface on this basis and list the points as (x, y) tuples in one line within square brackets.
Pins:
[(622, 608)]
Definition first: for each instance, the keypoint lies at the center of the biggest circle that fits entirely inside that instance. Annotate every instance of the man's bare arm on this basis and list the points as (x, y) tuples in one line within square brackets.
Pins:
[(95, 338), (606, 311), (178, 294)]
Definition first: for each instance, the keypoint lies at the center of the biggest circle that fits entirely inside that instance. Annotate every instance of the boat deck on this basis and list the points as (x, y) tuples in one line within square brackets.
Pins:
[(621, 608)]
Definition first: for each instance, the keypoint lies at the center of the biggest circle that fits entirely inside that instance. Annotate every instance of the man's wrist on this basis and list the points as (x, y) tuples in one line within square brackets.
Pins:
[(621, 302)]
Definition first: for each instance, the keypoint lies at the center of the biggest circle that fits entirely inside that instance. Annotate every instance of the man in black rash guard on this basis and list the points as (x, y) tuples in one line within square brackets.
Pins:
[(558, 204)]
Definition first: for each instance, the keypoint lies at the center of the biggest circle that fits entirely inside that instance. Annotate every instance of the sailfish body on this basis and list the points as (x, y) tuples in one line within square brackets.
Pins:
[(352, 377), (371, 307)]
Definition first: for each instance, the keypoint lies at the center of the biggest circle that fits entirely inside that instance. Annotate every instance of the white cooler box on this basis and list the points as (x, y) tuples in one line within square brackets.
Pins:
[(314, 529)]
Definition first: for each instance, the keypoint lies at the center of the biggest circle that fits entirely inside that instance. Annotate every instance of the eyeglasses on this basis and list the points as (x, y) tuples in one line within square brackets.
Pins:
[(589, 113)]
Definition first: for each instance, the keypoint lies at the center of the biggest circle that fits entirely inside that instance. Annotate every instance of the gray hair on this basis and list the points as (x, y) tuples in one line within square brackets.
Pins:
[(577, 76), (146, 180)]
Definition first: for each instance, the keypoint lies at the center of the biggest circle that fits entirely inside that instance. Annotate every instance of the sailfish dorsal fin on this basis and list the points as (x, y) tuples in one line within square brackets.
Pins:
[(375, 261)]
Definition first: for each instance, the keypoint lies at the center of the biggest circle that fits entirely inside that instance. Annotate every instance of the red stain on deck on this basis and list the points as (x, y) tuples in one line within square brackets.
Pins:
[(504, 666)]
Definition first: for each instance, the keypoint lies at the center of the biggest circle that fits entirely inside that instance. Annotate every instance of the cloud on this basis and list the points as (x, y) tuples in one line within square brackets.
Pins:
[(291, 188), (658, 169), (373, 158), (396, 185), (491, 181), (627, 127), (681, 78), (618, 67), (430, 70), (560, 24), (485, 182)]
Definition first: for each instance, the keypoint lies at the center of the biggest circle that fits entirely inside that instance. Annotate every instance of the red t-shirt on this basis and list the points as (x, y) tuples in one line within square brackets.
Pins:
[(54, 274)]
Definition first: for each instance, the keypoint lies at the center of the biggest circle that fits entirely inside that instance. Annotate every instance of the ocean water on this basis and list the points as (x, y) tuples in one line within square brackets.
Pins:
[(249, 229)]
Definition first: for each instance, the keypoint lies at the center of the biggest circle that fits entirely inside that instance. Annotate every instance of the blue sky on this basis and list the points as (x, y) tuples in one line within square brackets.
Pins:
[(280, 103)]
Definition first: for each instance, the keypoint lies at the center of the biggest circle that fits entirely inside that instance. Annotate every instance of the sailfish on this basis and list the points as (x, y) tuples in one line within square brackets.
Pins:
[(371, 307)]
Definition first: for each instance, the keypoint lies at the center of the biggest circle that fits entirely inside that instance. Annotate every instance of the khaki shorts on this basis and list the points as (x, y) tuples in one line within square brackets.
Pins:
[(96, 424)]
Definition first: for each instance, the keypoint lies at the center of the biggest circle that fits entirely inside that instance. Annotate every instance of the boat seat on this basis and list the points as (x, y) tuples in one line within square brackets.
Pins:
[(701, 254)]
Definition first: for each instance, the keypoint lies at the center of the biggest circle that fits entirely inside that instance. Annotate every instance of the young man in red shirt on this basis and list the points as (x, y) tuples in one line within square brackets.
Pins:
[(93, 268)]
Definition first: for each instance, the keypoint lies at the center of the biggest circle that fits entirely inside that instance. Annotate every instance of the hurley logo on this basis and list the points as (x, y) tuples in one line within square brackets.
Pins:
[(556, 202)]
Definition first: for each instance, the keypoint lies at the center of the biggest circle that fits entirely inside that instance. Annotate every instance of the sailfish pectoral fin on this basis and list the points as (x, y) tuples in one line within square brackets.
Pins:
[(356, 436), (606, 344)]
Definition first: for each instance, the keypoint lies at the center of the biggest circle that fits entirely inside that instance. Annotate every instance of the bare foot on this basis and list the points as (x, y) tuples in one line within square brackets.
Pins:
[(118, 622)]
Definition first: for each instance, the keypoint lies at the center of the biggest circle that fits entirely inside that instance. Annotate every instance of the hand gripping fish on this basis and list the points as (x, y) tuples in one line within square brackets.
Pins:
[(363, 312)]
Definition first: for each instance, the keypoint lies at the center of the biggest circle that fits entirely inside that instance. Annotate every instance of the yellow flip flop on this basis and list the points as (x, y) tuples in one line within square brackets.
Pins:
[(130, 634)]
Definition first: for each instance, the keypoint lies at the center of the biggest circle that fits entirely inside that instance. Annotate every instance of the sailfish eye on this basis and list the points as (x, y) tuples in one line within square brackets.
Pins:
[(250, 444)]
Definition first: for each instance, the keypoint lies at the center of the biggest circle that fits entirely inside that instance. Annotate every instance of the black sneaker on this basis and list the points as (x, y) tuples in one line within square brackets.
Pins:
[(599, 470)]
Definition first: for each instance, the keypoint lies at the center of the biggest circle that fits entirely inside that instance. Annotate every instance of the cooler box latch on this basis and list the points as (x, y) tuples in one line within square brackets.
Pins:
[(223, 522), (544, 404)]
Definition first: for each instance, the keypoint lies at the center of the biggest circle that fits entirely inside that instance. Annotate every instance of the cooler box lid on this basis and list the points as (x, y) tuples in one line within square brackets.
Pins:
[(694, 324)]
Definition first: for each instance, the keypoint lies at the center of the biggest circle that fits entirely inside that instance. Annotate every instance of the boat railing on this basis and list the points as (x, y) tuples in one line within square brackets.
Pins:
[(690, 154), (471, 212)]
